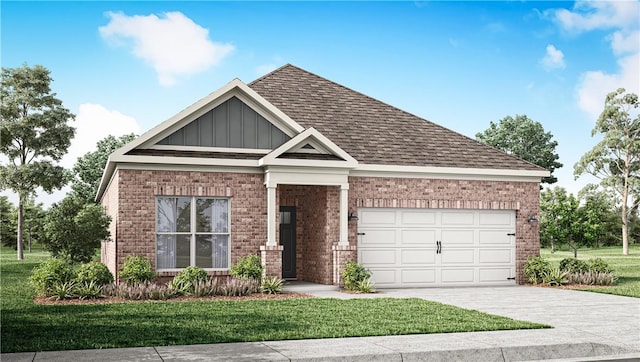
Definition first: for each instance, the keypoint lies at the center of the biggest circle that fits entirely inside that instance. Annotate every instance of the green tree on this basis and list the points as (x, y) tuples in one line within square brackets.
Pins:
[(7, 223), (89, 168), (34, 135), (526, 139), (560, 222), (75, 229), (34, 216), (599, 217), (615, 160)]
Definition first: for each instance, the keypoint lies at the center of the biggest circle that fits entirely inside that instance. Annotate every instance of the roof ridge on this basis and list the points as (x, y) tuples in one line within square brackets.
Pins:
[(272, 72)]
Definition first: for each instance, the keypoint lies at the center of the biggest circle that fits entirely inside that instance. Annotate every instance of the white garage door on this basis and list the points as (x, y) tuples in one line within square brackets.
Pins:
[(421, 248)]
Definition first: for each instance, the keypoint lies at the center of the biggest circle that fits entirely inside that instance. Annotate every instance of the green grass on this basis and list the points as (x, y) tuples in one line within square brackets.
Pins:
[(30, 327), (626, 267)]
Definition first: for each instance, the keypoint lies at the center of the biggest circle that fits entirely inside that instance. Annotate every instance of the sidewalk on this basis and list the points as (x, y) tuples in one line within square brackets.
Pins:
[(587, 327)]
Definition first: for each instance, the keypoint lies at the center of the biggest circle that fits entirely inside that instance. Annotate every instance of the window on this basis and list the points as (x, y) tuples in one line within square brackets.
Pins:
[(192, 231)]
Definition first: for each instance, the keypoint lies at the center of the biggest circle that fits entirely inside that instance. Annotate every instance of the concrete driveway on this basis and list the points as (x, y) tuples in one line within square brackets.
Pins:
[(587, 327)]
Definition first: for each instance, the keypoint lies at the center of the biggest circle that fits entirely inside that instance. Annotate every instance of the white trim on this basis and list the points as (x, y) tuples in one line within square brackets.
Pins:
[(163, 167), (260, 151), (317, 140), (274, 176), (344, 216), (367, 170), (173, 160)]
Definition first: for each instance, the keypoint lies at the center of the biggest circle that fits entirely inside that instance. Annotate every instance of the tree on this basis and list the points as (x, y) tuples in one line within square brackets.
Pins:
[(34, 135), (559, 219), (89, 168), (75, 229), (524, 138), (598, 215), (615, 160), (7, 223)]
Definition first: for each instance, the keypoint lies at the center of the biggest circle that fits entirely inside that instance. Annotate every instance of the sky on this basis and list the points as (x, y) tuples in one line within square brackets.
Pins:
[(125, 67)]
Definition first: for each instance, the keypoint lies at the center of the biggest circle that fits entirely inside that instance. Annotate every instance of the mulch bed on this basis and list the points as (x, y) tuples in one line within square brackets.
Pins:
[(572, 286), (109, 300)]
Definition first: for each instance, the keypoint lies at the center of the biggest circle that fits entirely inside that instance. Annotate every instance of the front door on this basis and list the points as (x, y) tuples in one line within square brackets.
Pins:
[(288, 241)]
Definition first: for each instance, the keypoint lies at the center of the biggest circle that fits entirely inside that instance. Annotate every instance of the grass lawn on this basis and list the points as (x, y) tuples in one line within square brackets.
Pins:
[(30, 327), (626, 267)]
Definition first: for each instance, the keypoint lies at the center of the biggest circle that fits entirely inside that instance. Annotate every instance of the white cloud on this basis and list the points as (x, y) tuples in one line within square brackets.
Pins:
[(595, 85), (554, 59), (623, 43), (172, 43), (93, 123), (590, 15)]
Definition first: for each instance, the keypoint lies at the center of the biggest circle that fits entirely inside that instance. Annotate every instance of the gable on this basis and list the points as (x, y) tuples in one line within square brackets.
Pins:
[(232, 124)]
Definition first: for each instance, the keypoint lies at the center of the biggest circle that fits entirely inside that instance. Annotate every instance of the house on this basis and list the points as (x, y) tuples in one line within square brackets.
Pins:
[(310, 174)]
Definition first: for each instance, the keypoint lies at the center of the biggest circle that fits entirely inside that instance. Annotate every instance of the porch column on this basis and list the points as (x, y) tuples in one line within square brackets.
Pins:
[(271, 216), (344, 215)]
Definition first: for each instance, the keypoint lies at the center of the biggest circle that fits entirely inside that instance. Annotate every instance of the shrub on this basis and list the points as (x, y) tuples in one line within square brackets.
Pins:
[(365, 286), (237, 287), (598, 265), (88, 290), (555, 276), (248, 267), (185, 280), (63, 290), (272, 285), (93, 272), (208, 288), (592, 278), (141, 291), (573, 265), (51, 272), (535, 268), (353, 274), (136, 270)]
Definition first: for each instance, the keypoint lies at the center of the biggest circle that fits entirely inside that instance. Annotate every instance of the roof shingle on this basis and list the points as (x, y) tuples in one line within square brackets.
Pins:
[(371, 131)]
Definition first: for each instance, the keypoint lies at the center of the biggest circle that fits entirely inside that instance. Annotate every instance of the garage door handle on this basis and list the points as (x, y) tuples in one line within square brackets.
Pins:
[(438, 247), (511, 234), (360, 233)]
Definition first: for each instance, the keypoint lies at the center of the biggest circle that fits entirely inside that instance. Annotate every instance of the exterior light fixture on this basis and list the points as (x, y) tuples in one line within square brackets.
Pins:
[(533, 218), (352, 216)]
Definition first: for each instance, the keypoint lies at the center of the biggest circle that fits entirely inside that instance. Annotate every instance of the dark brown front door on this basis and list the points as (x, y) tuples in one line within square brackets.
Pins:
[(288, 241)]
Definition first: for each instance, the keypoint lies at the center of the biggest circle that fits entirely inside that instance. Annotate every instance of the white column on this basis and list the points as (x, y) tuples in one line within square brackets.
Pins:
[(344, 215), (271, 216)]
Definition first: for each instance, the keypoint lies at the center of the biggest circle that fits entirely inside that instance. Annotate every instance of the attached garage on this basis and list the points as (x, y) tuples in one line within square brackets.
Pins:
[(437, 247)]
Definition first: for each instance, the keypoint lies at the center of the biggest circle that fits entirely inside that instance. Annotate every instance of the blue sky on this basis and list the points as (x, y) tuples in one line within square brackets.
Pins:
[(126, 66)]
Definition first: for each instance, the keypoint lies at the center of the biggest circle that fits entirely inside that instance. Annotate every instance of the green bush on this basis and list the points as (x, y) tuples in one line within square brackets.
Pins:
[(555, 276), (188, 277), (272, 285), (136, 270), (598, 265), (88, 290), (248, 267), (535, 268), (46, 275), (93, 272), (573, 265), (353, 274), (63, 290)]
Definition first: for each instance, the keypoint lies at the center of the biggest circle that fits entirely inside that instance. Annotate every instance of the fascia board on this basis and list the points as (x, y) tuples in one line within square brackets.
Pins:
[(446, 172), (172, 160)]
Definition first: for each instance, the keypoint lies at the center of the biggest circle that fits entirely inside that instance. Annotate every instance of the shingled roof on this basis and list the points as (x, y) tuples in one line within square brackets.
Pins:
[(372, 131)]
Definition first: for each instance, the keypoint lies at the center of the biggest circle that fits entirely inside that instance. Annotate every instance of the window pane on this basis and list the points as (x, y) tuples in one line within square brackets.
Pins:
[(212, 215), (174, 214), (204, 251), (220, 251), (173, 251)]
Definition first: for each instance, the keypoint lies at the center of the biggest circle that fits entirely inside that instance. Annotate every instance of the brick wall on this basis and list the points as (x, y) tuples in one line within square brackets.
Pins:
[(137, 193), (454, 194)]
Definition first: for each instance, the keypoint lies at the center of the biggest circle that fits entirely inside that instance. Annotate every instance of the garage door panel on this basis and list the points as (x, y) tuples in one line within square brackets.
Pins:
[(416, 236), (496, 218), (417, 256), (502, 256), (457, 218), (377, 217), (457, 237), (418, 276), (495, 275), (386, 237), (460, 275), (398, 246), (382, 277), (498, 237), (457, 256), (378, 256), (418, 218)]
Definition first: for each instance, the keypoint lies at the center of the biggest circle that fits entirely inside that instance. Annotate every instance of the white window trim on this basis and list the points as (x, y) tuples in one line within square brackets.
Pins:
[(193, 233)]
